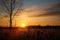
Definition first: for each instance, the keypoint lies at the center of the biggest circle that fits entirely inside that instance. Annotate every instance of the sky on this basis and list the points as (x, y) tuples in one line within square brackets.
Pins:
[(35, 12)]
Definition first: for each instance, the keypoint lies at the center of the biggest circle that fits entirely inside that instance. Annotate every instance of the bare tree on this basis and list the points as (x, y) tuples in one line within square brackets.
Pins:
[(11, 7)]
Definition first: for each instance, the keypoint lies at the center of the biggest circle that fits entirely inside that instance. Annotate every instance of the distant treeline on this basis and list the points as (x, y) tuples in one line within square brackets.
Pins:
[(38, 27), (32, 27)]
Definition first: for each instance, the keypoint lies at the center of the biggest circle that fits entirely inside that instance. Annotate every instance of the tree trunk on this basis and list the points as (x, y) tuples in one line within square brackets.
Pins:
[(11, 17), (10, 23)]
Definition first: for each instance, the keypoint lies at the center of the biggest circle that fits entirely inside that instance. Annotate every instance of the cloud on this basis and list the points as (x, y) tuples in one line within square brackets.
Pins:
[(33, 10), (54, 10)]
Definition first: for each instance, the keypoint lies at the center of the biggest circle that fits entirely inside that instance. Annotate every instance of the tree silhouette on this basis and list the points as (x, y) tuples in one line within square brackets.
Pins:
[(11, 7)]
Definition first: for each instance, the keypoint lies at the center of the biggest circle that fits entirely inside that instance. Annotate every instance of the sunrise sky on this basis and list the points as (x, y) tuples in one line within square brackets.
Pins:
[(35, 12)]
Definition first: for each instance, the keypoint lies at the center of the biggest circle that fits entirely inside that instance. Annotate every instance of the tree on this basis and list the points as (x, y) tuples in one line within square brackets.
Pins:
[(11, 7)]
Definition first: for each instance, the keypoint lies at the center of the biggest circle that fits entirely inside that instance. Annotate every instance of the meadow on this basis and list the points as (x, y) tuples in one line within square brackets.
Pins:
[(42, 33)]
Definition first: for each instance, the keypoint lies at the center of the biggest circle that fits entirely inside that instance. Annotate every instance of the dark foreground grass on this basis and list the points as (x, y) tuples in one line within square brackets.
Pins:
[(30, 34)]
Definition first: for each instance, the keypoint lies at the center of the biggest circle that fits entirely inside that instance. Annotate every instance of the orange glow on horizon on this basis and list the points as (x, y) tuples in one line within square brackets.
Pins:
[(23, 25)]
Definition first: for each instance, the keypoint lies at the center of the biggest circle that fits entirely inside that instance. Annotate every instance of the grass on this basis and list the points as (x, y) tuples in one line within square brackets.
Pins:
[(33, 33)]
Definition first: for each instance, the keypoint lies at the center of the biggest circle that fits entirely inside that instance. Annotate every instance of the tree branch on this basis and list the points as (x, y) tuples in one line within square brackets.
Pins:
[(18, 8), (5, 6)]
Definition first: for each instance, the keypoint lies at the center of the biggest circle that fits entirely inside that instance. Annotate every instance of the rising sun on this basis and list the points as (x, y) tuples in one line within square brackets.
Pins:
[(23, 25)]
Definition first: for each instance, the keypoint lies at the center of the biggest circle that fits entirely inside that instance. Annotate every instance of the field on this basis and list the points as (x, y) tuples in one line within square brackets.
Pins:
[(30, 34)]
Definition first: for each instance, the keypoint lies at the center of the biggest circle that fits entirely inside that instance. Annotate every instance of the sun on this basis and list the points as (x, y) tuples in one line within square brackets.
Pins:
[(23, 25)]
